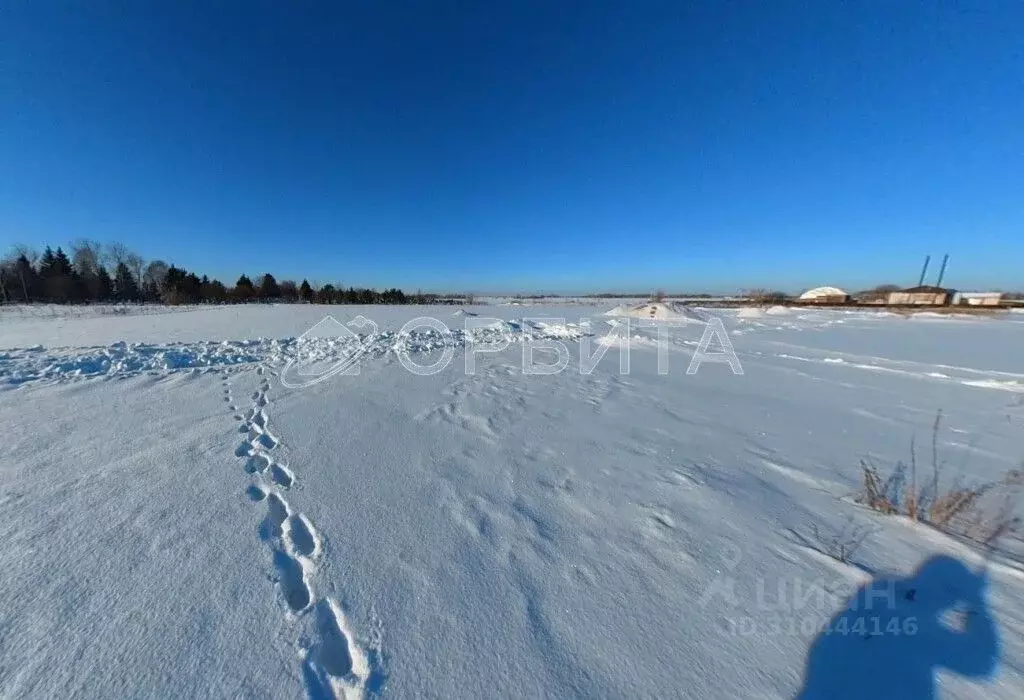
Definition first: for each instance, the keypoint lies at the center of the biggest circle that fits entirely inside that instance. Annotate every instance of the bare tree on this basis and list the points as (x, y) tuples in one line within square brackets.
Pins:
[(289, 290), (116, 253), (30, 253), (765, 296), (15, 269), (135, 263), (155, 273), (85, 256)]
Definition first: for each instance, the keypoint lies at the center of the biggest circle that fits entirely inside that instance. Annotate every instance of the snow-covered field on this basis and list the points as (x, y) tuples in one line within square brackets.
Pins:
[(187, 513)]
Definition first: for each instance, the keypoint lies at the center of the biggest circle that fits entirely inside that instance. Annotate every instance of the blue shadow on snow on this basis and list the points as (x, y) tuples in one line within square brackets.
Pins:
[(895, 633)]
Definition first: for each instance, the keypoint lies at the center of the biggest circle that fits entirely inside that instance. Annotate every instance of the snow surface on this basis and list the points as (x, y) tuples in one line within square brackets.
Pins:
[(179, 523)]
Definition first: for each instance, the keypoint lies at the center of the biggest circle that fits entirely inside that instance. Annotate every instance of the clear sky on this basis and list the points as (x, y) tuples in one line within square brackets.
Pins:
[(523, 146)]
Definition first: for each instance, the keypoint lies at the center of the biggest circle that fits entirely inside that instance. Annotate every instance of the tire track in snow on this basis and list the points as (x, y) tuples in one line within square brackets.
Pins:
[(333, 664)]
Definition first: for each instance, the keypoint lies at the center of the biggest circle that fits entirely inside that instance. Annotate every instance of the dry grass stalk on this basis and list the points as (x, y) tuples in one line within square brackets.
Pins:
[(875, 493), (969, 511)]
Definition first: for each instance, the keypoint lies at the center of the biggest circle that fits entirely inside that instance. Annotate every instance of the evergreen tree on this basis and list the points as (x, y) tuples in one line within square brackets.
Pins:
[(103, 287), (59, 281), (214, 292), (326, 295), (125, 287), (268, 288), (83, 277), (393, 296), (192, 289), (46, 263), (244, 291), (62, 264), (170, 290)]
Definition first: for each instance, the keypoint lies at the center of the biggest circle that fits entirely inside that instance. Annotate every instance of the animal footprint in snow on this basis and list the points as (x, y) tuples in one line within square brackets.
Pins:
[(255, 493)]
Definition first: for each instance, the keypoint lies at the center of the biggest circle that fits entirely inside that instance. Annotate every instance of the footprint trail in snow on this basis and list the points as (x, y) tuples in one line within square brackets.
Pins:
[(333, 665)]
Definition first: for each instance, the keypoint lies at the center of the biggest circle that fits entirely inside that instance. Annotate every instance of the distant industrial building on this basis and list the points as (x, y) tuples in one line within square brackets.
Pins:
[(824, 295), (978, 298), (876, 297), (923, 295)]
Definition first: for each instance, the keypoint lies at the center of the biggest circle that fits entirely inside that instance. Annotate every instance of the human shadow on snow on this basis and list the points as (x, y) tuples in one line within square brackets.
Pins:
[(896, 633)]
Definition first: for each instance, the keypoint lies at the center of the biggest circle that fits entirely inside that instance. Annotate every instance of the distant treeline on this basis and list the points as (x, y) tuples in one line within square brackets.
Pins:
[(97, 273)]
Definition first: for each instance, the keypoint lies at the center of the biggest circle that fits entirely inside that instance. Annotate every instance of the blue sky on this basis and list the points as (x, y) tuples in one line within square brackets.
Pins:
[(524, 146)]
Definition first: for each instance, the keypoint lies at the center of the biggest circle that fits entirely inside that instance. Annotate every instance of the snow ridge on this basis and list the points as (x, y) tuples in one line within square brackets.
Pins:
[(35, 364), (333, 665)]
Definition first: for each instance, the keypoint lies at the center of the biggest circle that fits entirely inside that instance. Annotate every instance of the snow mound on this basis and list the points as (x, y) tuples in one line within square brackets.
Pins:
[(555, 330), (620, 310), (655, 311), (761, 312)]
